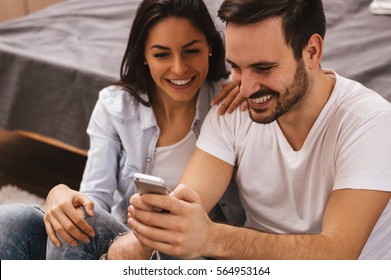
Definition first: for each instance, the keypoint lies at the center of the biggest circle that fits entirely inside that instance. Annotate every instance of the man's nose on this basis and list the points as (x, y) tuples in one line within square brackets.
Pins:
[(248, 84)]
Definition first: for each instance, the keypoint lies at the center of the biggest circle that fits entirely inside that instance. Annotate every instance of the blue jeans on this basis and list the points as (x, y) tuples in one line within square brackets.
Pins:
[(106, 228), (23, 235)]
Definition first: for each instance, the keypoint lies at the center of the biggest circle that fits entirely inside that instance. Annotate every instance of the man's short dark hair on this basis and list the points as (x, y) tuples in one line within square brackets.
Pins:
[(300, 18)]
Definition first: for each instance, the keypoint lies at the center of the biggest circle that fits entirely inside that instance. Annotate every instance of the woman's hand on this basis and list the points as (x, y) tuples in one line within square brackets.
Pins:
[(230, 99), (64, 216)]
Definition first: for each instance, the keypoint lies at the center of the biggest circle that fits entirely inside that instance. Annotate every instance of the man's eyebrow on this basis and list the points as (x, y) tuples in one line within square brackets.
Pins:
[(229, 61), (160, 47), (263, 64), (257, 64)]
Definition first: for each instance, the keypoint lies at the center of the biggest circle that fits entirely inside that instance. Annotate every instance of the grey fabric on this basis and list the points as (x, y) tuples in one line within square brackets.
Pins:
[(54, 62), (358, 44)]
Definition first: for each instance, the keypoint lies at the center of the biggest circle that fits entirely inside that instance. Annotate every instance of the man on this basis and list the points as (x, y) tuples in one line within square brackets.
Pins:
[(313, 158)]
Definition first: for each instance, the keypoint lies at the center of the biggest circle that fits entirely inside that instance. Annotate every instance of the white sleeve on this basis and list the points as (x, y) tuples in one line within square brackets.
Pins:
[(364, 157), (217, 136)]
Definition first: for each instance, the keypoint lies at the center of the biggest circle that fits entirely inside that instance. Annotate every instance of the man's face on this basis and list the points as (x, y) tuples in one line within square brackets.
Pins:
[(264, 66)]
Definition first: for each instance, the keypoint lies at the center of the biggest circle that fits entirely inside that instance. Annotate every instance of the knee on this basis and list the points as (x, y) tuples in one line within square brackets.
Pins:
[(19, 217)]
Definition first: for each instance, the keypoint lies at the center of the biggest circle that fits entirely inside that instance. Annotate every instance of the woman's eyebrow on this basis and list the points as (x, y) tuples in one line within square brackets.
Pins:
[(160, 47), (191, 43)]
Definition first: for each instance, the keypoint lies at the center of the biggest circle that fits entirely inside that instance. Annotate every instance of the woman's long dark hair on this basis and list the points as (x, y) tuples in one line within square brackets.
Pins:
[(135, 76)]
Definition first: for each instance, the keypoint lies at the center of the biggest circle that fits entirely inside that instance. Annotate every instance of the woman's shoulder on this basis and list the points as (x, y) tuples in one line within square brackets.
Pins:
[(118, 101), (115, 93)]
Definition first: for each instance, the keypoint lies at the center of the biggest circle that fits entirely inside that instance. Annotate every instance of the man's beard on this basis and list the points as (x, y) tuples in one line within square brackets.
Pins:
[(285, 102)]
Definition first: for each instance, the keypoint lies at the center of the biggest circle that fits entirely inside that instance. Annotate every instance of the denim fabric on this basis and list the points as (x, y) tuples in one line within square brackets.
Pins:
[(106, 228), (123, 136), (22, 233)]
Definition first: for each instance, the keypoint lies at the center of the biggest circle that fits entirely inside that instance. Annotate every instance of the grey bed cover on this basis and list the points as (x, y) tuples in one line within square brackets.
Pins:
[(54, 62)]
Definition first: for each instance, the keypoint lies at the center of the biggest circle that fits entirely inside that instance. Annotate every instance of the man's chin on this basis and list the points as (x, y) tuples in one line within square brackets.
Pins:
[(261, 117)]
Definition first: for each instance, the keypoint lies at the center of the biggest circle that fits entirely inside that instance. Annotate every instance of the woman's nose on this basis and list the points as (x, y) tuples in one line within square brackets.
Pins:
[(179, 66)]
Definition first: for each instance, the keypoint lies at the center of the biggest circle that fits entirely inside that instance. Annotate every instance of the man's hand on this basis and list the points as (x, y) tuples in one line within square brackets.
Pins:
[(65, 217), (182, 233)]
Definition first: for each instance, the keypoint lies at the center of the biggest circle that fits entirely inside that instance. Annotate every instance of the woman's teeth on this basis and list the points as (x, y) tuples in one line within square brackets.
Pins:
[(180, 82)]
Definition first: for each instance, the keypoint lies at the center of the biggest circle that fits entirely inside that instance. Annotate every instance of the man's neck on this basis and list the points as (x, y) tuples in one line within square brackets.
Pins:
[(297, 123)]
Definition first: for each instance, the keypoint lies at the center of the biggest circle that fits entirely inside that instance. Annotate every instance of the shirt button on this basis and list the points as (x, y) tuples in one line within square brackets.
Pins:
[(149, 159)]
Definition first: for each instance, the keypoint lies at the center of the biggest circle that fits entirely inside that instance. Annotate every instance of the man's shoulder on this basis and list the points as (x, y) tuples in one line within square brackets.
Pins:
[(357, 98)]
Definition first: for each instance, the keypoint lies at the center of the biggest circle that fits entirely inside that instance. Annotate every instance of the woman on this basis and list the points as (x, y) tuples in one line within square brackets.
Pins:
[(148, 122)]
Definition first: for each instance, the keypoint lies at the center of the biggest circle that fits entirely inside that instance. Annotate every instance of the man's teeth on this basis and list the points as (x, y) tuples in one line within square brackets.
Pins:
[(180, 82), (262, 99)]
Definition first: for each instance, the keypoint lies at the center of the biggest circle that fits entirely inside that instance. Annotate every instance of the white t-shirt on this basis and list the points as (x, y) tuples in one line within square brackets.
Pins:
[(286, 191), (173, 157)]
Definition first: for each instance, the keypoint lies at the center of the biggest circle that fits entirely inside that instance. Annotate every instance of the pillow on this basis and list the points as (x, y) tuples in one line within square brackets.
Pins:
[(380, 7)]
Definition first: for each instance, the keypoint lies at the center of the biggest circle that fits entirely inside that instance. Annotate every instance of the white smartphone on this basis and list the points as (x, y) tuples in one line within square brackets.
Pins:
[(150, 184)]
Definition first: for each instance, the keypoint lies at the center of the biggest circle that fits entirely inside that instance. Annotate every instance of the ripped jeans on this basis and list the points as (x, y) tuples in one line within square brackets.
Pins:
[(22, 232), (106, 228), (23, 235)]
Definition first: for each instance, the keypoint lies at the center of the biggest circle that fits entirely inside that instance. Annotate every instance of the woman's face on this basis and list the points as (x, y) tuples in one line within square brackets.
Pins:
[(177, 55)]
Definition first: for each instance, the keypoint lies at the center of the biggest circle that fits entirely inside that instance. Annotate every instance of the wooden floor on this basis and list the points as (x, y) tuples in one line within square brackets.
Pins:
[(36, 166)]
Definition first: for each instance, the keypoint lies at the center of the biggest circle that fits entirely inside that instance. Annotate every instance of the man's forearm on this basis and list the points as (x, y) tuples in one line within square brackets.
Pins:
[(229, 242)]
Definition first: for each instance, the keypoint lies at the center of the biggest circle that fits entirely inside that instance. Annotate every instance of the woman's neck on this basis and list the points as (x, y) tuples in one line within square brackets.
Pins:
[(173, 118)]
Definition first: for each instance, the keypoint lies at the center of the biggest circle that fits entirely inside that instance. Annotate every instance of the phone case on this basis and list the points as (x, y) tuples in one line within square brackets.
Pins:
[(150, 184)]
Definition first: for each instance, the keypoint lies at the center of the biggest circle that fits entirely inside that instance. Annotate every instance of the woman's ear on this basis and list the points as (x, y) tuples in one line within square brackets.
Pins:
[(313, 52)]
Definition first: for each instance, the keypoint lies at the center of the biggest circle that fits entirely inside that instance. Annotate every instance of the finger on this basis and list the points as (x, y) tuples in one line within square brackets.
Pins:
[(226, 103), (59, 230), (157, 239), (149, 232), (137, 201), (170, 203), (87, 204), (158, 203), (225, 90), (153, 219), (69, 223), (52, 223), (231, 102), (244, 105), (81, 223), (234, 101), (51, 234), (185, 194), (162, 247)]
